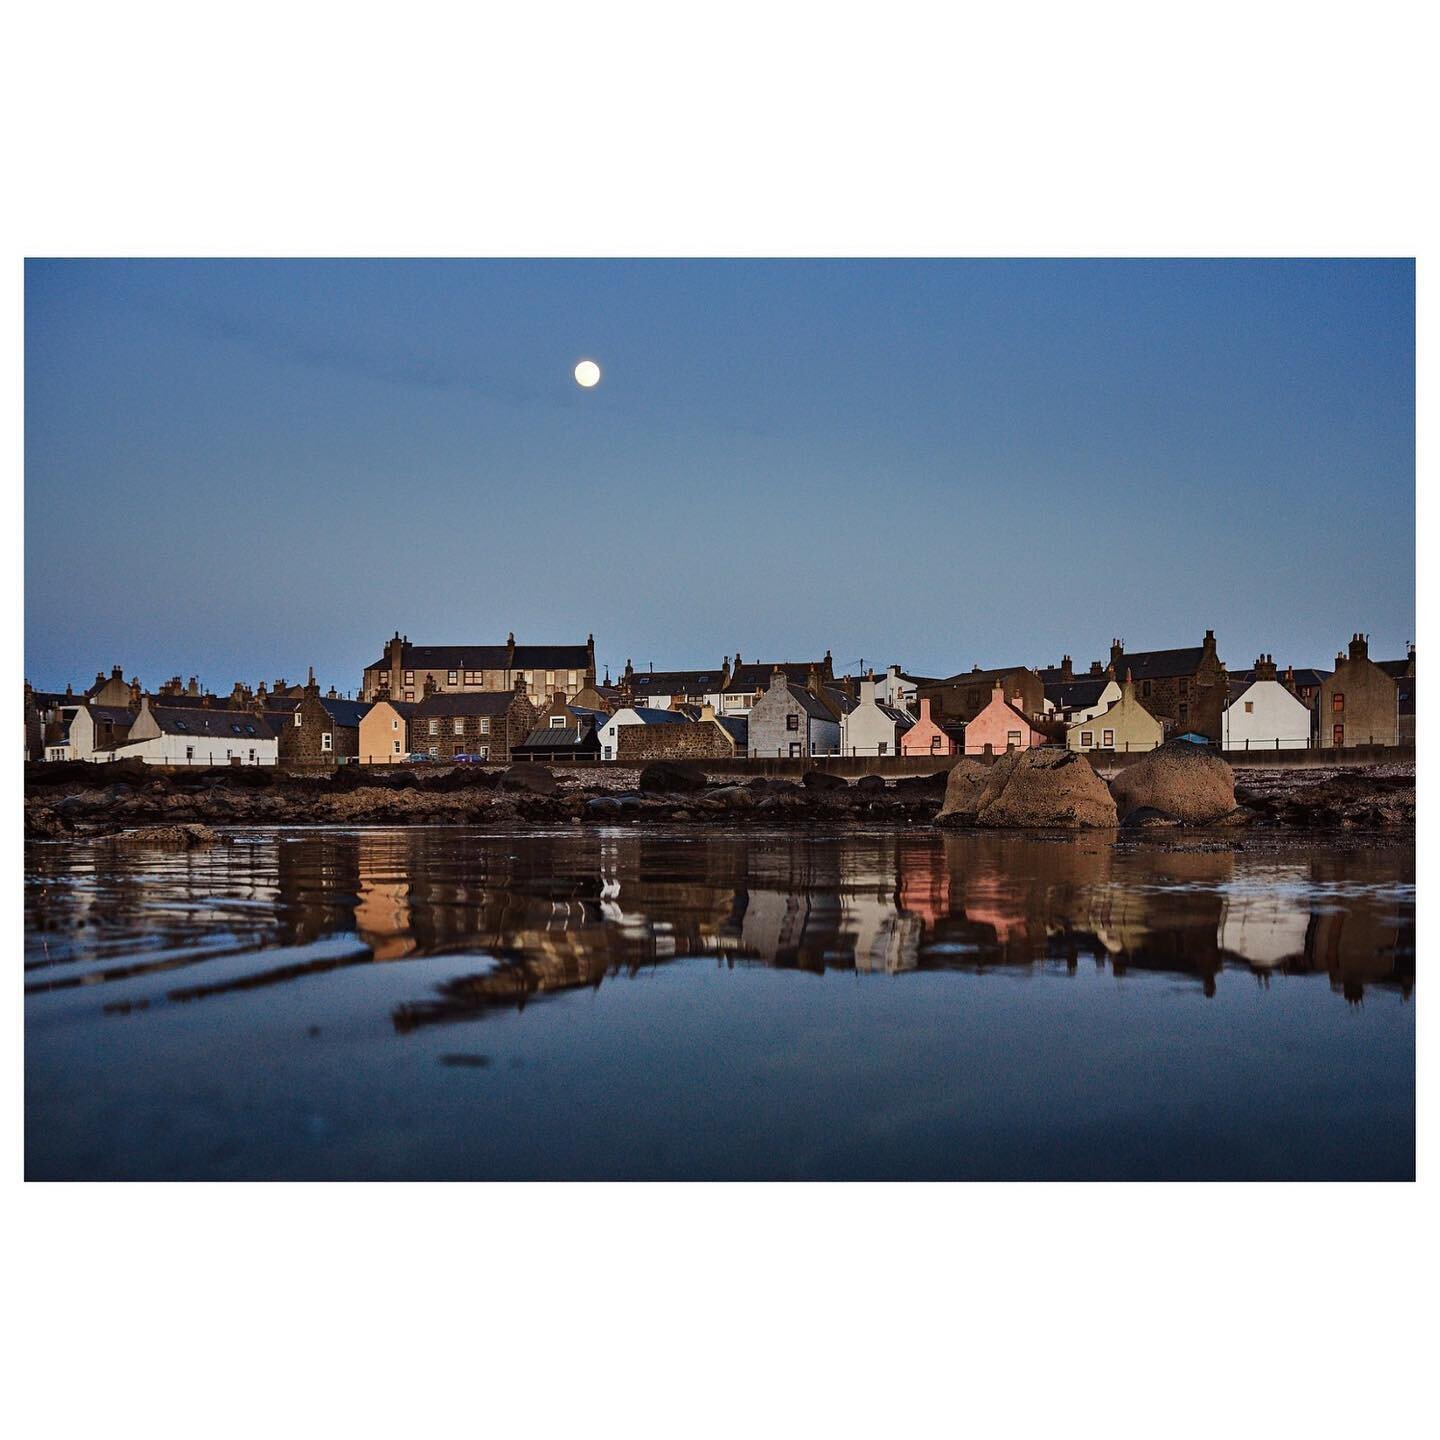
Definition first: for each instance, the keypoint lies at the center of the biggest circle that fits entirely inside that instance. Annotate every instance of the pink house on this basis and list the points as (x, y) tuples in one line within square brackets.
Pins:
[(1001, 727), (925, 737)]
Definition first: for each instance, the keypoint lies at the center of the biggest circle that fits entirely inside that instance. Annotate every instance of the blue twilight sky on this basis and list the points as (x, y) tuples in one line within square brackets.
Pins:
[(238, 469)]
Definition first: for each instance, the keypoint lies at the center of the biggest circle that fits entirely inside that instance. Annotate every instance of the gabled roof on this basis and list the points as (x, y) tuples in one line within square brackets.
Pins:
[(648, 716), (737, 727), (211, 724), (1235, 688), (405, 708), (1160, 664), (675, 682), (445, 703), (558, 737), (1395, 669), (813, 705), (1078, 694), (1302, 676), (112, 714), (488, 657), (347, 713), (980, 677), (757, 677), (902, 719)]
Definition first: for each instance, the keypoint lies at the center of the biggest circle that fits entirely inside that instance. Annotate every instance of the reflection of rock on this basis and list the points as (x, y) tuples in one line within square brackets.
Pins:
[(1179, 779), (186, 837)]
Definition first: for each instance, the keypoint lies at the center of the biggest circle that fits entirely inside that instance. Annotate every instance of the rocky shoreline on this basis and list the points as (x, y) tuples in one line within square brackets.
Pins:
[(128, 800)]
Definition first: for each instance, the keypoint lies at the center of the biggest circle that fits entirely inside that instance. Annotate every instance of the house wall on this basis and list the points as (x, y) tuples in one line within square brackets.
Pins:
[(1126, 727), (380, 728), (700, 740), (964, 697), (1276, 718), (995, 726), (770, 731), (866, 729), (488, 735), (165, 749), (1368, 712), (925, 737), (304, 744)]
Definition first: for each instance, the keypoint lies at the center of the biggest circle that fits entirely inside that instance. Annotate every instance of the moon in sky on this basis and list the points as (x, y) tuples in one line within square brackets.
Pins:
[(587, 373)]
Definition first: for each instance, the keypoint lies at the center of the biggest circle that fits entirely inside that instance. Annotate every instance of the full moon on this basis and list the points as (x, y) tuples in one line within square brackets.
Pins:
[(587, 373)]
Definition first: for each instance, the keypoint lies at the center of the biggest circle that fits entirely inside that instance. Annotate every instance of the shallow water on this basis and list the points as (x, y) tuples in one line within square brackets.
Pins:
[(445, 1003)]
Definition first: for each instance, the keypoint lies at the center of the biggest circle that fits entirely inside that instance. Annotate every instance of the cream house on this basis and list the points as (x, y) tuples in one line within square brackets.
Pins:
[(385, 733), (1125, 726)]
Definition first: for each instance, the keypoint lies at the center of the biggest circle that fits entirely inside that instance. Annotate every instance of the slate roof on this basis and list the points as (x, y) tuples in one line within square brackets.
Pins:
[(446, 703), (559, 737), (648, 716), (112, 714), (813, 705), (902, 718), (981, 677), (215, 724), (488, 657), (737, 727), (1302, 677), (1160, 664), (757, 677), (1395, 669), (675, 682), (347, 713), (1077, 694)]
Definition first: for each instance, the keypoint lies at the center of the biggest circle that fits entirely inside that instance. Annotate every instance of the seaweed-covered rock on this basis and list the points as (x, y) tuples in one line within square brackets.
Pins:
[(963, 790), (671, 777), (185, 837), (870, 786), (823, 780), (529, 777), (1180, 779), (1042, 788)]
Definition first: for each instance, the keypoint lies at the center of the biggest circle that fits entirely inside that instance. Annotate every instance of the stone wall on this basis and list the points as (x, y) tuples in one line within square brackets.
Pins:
[(701, 740)]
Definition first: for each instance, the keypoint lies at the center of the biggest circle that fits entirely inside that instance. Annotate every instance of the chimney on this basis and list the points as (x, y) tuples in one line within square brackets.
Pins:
[(135, 693), (925, 708), (1359, 646), (116, 673), (1096, 668), (867, 691), (1265, 667), (1067, 669), (827, 667), (430, 686), (1209, 644), (1127, 688), (193, 688), (725, 672), (777, 678)]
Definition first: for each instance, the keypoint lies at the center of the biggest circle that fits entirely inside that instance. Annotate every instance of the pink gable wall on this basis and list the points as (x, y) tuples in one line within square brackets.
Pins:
[(919, 738), (994, 724)]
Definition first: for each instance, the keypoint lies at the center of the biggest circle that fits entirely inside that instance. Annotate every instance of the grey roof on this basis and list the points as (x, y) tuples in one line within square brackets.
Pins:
[(1159, 664), (489, 657), (648, 716), (347, 713), (736, 726), (675, 682), (757, 677), (445, 703), (902, 718), (1077, 694), (211, 724), (113, 714), (813, 705), (559, 737)]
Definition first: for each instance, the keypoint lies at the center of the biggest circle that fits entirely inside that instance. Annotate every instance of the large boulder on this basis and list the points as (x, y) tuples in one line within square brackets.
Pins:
[(962, 792), (1180, 779), (823, 780), (671, 777), (1043, 788), (533, 779)]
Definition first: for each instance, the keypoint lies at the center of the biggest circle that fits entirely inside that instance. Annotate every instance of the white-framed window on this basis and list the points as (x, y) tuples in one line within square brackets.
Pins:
[(409, 694), (459, 725), (395, 723), (409, 677), (396, 744), (1012, 739), (298, 720), (484, 724), (1087, 739), (483, 752), (327, 742), (558, 722), (451, 676), (1107, 739), (434, 727), (574, 679), (549, 679), (794, 749)]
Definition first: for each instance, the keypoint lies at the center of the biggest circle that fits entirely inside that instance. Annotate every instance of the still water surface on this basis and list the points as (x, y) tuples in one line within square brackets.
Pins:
[(445, 1003)]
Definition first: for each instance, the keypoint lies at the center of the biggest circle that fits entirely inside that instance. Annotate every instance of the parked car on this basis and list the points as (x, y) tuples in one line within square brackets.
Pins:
[(418, 757), (471, 759)]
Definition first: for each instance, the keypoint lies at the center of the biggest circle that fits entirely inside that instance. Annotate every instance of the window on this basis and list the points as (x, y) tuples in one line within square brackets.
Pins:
[(549, 680), (396, 744), (1339, 736), (1145, 688), (297, 720), (1337, 703), (794, 749), (1012, 739), (451, 677), (459, 725), (881, 751), (327, 742), (472, 677), (1107, 739), (483, 752), (189, 753), (409, 677), (1184, 712), (936, 744), (557, 722), (385, 681), (1249, 707), (574, 679), (484, 724), (1087, 739), (792, 722), (434, 727), (395, 722), (1184, 684), (252, 757), (409, 694)]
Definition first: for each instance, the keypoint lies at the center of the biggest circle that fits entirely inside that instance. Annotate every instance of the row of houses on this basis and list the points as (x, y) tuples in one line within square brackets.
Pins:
[(495, 704)]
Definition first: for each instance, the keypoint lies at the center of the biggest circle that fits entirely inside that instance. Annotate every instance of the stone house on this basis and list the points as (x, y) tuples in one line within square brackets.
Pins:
[(1001, 725), (551, 744), (744, 684), (1403, 674), (872, 727), (709, 737), (404, 671), (1124, 726), (925, 737), (630, 716), (318, 729), (790, 720), (1186, 688), (1262, 713), (384, 733), (958, 699), (1360, 702), (489, 725)]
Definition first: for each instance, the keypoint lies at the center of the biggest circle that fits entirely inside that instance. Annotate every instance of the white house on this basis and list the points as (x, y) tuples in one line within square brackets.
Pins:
[(634, 715), (896, 689), (1261, 714), (96, 730), (873, 728), (176, 735)]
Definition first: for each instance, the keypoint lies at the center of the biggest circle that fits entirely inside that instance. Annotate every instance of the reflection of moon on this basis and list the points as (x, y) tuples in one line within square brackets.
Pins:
[(587, 373)]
